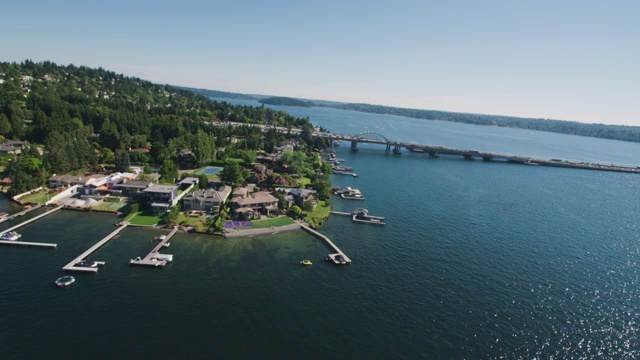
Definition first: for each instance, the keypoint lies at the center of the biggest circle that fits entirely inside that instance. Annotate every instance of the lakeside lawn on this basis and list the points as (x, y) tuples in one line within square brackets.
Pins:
[(140, 219), (320, 211), (279, 221), (39, 197), (110, 206)]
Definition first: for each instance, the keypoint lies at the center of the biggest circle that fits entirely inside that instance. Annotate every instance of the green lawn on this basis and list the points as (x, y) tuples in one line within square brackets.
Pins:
[(320, 211), (38, 197), (110, 206), (283, 220), (139, 219), (304, 181)]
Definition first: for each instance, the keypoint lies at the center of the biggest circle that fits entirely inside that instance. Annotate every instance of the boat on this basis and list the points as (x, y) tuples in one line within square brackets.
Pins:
[(166, 244), (85, 263), (133, 261), (352, 194), (65, 281), (11, 236), (354, 175), (161, 237), (306, 262)]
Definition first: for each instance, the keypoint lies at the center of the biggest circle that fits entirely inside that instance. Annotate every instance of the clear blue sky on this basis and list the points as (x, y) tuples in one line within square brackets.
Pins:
[(569, 60)]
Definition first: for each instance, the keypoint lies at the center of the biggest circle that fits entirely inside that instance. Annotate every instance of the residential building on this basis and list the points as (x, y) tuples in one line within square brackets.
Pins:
[(209, 200), (260, 201), (161, 197)]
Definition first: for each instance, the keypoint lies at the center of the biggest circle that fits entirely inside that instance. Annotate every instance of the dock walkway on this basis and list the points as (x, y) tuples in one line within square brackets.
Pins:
[(25, 243), (72, 265), (13, 216), (334, 246), (154, 258), (31, 220)]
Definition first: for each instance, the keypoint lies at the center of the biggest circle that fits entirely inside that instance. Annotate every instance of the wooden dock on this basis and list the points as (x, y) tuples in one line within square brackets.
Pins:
[(72, 265), (31, 220), (335, 258), (154, 258), (25, 243), (13, 216)]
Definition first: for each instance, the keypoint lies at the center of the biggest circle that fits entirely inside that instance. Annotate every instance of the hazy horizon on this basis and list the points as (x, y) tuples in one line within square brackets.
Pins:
[(567, 60)]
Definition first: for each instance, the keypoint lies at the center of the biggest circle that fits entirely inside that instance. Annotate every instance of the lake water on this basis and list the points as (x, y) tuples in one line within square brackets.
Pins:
[(478, 260)]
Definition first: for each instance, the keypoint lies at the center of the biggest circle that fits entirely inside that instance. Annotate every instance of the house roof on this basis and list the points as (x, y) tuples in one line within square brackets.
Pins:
[(160, 189), (256, 198), (189, 181)]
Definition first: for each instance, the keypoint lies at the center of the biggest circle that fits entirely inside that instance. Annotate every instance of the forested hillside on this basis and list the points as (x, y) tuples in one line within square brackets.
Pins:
[(83, 117), (616, 132)]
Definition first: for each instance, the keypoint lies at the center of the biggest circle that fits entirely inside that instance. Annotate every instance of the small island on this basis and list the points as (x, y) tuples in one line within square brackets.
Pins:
[(286, 101)]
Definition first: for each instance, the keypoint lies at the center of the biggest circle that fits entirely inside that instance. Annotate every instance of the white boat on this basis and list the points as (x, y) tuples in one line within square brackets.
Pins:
[(161, 237), (65, 281), (11, 236), (166, 244)]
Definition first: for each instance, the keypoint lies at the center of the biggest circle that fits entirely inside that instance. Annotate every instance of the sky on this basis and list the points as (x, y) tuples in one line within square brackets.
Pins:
[(554, 59)]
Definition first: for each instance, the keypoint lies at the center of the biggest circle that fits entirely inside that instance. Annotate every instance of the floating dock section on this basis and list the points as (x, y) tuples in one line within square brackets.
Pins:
[(335, 258), (31, 220), (72, 265), (154, 258)]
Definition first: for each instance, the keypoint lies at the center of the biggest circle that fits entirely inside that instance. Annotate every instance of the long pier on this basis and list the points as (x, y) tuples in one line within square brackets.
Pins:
[(31, 220), (154, 258), (25, 243), (13, 216), (332, 257), (72, 265)]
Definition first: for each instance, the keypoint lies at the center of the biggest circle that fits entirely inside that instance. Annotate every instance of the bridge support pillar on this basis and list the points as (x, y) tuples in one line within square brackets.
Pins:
[(354, 146), (388, 147), (433, 154), (487, 158), (396, 150)]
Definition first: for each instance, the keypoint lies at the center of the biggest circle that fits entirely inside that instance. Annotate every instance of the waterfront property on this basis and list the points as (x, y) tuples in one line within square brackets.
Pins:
[(161, 197), (297, 196), (206, 199), (258, 202)]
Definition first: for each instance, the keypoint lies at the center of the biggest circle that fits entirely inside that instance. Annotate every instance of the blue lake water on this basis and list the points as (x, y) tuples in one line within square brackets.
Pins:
[(478, 260)]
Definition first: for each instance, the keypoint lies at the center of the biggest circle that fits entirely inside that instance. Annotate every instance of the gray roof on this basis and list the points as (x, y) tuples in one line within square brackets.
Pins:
[(161, 188)]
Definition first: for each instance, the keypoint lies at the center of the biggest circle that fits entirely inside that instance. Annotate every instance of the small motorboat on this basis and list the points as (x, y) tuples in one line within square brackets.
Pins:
[(133, 261), (306, 262), (166, 244), (65, 281), (11, 236), (161, 237)]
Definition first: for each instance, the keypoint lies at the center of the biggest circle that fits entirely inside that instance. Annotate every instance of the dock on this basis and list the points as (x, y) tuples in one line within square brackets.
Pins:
[(362, 216), (154, 258), (31, 220), (72, 265), (25, 243), (335, 258), (13, 216)]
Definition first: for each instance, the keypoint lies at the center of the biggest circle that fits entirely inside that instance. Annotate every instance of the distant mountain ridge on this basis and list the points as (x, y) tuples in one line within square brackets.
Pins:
[(613, 132)]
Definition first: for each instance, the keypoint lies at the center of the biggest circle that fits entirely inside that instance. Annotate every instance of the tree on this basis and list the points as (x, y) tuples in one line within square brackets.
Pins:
[(232, 174), (295, 211), (122, 161), (5, 125), (169, 171), (134, 208), (203, 181)]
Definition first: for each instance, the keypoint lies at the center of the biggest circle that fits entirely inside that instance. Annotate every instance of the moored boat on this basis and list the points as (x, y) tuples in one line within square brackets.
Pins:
[(65, 281), (11, 236), (306, 262)]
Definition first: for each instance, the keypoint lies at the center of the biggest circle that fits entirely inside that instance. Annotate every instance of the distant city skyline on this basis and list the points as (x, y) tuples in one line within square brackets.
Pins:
[(563, 60)]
